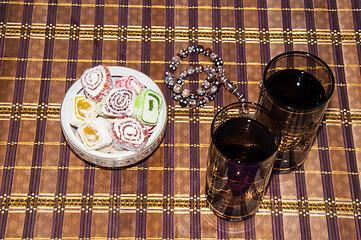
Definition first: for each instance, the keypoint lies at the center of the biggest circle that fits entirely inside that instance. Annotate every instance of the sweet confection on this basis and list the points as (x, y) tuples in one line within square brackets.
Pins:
[(112, 118), (147, 106), (83, 108), (100, 107), (129, 82), (94, 133), (119, 102), (129, 133), (151, 129), (96, 82)]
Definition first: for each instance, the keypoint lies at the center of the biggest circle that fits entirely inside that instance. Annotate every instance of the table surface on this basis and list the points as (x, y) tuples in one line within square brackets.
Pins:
[(46, 191)]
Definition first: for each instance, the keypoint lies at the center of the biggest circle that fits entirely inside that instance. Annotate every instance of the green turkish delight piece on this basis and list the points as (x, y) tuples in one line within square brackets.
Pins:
[(147, 106)]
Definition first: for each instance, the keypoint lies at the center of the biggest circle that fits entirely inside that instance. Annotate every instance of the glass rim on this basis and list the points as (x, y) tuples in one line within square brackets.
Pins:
[(305, 55), (269, 113)]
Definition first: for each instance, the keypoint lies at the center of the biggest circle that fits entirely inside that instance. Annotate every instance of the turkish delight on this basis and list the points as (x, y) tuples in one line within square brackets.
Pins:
[(120, 101), (129, 82), (96, 82), (147, 106), (94, 133), (129, 133)]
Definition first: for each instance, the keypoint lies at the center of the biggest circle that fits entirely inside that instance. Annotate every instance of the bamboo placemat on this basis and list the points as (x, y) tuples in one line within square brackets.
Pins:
[(46, 191)]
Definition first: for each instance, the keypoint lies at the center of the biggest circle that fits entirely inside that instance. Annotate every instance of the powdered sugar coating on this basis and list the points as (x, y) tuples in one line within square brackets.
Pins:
[(96, 82), (129, 82), (94, 133), (129, 133), (108, 156), (82, 108), (119, 102)]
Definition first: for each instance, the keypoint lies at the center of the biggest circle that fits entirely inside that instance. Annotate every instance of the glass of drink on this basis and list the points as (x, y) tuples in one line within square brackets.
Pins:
[(297, 87), (245, 138)]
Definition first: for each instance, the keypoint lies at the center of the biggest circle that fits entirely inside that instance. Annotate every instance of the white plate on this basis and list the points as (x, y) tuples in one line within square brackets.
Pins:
[(121, 158)]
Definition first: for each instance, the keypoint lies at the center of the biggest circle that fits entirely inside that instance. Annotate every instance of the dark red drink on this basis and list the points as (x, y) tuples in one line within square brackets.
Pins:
[(297, 87), (239, 167)]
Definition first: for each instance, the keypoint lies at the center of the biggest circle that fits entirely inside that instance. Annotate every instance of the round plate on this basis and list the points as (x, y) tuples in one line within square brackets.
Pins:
[(119, 158)]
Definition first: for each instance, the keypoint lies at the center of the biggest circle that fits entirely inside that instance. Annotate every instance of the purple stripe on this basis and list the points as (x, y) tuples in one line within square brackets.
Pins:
[(344, 104), (62, 176), (305, 228), (115, 182), (88, 191), (14, 126), (114, 215), (89, 172), (222, 226), (277, 220), (241, 49), (250, 231), (357, 25), (195, 221), (123, 23), (300, 176), (343, 101), (287, 26), (98, 33), (168, 179), (222, 229), (217, 46), (274, 186), (73, 43), (310, 26), (352, 164), (141, 216), (64, 152), (35, 174), (263, 27), (325, 165), (331, 218), (4, 8)]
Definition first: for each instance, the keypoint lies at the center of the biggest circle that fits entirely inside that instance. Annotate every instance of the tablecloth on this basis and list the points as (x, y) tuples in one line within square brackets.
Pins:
[(47, 191)]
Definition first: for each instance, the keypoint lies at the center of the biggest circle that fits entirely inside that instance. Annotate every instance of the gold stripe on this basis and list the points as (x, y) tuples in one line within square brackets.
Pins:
[(63, 60), (176, 145), (205, 114), (207, 7), (306, 172), (128, 202), (138, 33)]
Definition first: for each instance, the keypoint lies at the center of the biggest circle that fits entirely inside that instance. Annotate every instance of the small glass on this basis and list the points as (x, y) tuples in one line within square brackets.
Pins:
[(297, 87), (245, 138)]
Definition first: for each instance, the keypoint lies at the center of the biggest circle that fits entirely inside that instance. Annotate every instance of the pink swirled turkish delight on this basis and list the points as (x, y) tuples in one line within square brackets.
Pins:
[(129, 133), (96, 82), (119, 102), (150, 128), (129, 82)]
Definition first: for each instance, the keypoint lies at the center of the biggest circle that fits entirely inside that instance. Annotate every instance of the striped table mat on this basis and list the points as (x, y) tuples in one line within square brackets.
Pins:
[(46, 191)]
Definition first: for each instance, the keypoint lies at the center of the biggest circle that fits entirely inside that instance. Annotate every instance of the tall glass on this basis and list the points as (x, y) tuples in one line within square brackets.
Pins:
[(245, 138), (297, 87)]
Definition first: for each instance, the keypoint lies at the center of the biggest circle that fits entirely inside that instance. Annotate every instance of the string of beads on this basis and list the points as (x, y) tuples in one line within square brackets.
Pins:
[(209, 87)]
